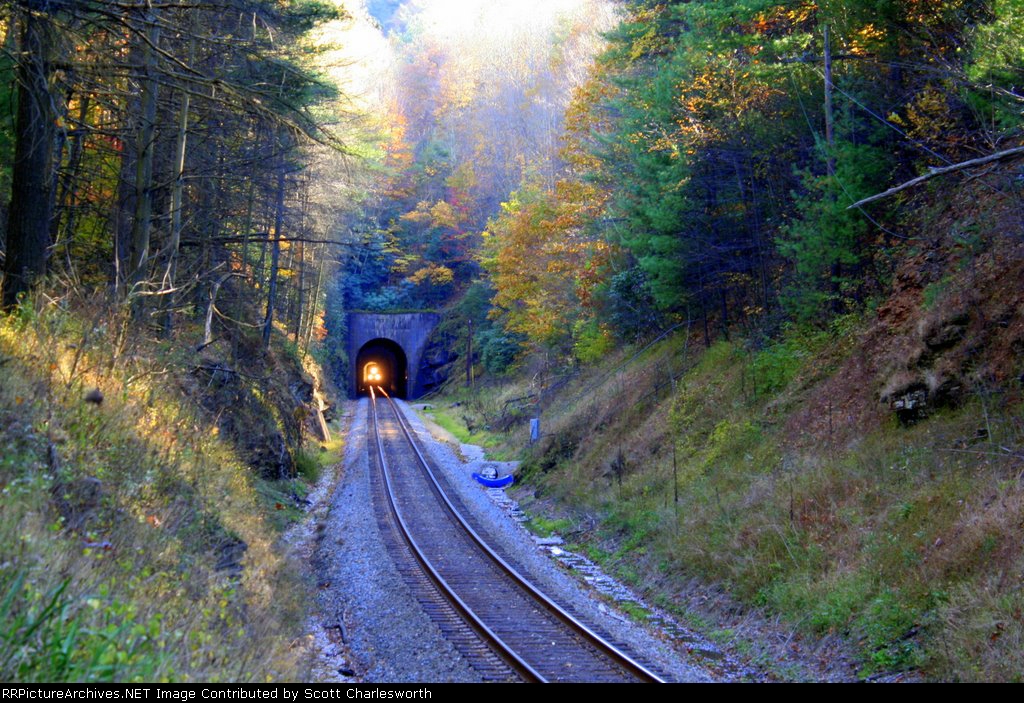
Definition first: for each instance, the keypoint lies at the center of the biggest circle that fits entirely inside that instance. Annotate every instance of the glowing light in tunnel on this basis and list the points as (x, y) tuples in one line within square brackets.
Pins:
[(381, 362), (372, 374)]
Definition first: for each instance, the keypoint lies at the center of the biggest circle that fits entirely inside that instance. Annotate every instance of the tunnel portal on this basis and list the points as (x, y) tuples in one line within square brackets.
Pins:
[(382, 362), (395, 342)]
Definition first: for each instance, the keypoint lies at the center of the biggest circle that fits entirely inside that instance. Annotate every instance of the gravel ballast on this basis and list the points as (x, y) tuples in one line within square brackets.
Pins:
[(387, 636), (366, 615), (533, 555)]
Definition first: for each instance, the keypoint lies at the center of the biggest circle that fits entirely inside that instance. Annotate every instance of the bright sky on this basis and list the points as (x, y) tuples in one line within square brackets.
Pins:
[(454, 18), (363, 54), (360, 53)]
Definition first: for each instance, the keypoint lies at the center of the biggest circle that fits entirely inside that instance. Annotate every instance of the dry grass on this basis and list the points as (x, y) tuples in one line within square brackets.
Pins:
[(905, 540), (124, 522)]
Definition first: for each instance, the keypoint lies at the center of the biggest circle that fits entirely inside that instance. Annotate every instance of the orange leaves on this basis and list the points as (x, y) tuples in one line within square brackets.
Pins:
[(538, 255), (783, 19), (761, 24)]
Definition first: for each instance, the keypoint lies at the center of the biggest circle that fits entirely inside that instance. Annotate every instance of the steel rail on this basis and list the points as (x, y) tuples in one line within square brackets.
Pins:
[(506, 652), (608, 649)]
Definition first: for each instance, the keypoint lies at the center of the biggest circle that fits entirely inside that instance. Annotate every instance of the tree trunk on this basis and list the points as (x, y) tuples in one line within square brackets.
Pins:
[(830, 135), (210, 305), (300, 293), (178, 189), (275, 256), (247, 228), (177, 202), (314, 302), (145, 147), (68, 198), (28, 219), (469, 354), (265, 222)]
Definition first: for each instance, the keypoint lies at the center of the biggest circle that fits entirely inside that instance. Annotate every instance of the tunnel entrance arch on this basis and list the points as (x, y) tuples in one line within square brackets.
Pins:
[(382, 362), (405, 334)]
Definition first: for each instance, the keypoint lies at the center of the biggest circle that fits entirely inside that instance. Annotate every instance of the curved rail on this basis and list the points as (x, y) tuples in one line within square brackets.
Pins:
[(486, 633), (607, 649)]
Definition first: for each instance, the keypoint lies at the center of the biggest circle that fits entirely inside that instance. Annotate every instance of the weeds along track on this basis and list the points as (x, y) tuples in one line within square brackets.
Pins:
[(504, 625)]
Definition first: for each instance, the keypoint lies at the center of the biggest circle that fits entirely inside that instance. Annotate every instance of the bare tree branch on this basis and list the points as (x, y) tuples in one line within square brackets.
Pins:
[(934, 172)]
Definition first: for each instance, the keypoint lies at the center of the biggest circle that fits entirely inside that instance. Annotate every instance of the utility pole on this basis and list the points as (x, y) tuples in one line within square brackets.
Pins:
[(469, 355), (830, 135), (830, 163)]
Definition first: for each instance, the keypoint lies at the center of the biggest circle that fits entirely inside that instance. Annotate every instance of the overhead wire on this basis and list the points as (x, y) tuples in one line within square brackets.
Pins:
[(865, 213), (890, 125)]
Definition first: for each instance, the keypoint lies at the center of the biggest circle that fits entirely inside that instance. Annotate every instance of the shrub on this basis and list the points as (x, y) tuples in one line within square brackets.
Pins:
[(498, 349), (775, 366), (307, 466), (591, 341)]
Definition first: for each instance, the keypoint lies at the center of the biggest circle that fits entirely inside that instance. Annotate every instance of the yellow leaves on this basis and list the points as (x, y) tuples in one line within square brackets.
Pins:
[(435, 274), (537, 253), (801, 13), (444, 215), (864, 39), (420, 215), (651, 41), (925, 12), (665, 144), (929, 116), (401, 264), (441, 214), (782, 19), (724, 88), (464, 178), (870, 31)]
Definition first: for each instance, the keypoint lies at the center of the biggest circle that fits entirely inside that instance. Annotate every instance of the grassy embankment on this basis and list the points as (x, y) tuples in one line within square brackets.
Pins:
[(136, 542), (780, 475)]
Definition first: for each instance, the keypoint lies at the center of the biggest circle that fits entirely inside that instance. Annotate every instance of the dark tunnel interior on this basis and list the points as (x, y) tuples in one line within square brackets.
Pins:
[(382, 362)]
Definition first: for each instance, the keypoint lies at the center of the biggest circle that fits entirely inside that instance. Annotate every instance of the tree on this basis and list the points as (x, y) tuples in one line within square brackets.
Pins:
[(143, 154), (39, 108), (538, 252), (473, 111), (826, 241)]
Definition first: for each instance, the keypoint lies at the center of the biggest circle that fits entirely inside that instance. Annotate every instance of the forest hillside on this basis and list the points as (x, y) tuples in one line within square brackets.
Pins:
[(750, 372), (756, 267)]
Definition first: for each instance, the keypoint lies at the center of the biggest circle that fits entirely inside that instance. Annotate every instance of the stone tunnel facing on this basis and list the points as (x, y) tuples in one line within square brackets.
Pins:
[(386, 360)]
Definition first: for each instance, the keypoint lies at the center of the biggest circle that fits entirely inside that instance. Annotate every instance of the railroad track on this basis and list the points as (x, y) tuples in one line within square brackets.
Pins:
[(504, 624)]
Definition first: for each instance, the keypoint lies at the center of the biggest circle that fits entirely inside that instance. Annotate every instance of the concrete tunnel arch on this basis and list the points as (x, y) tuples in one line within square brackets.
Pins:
[(390, 358), (399, 339)]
